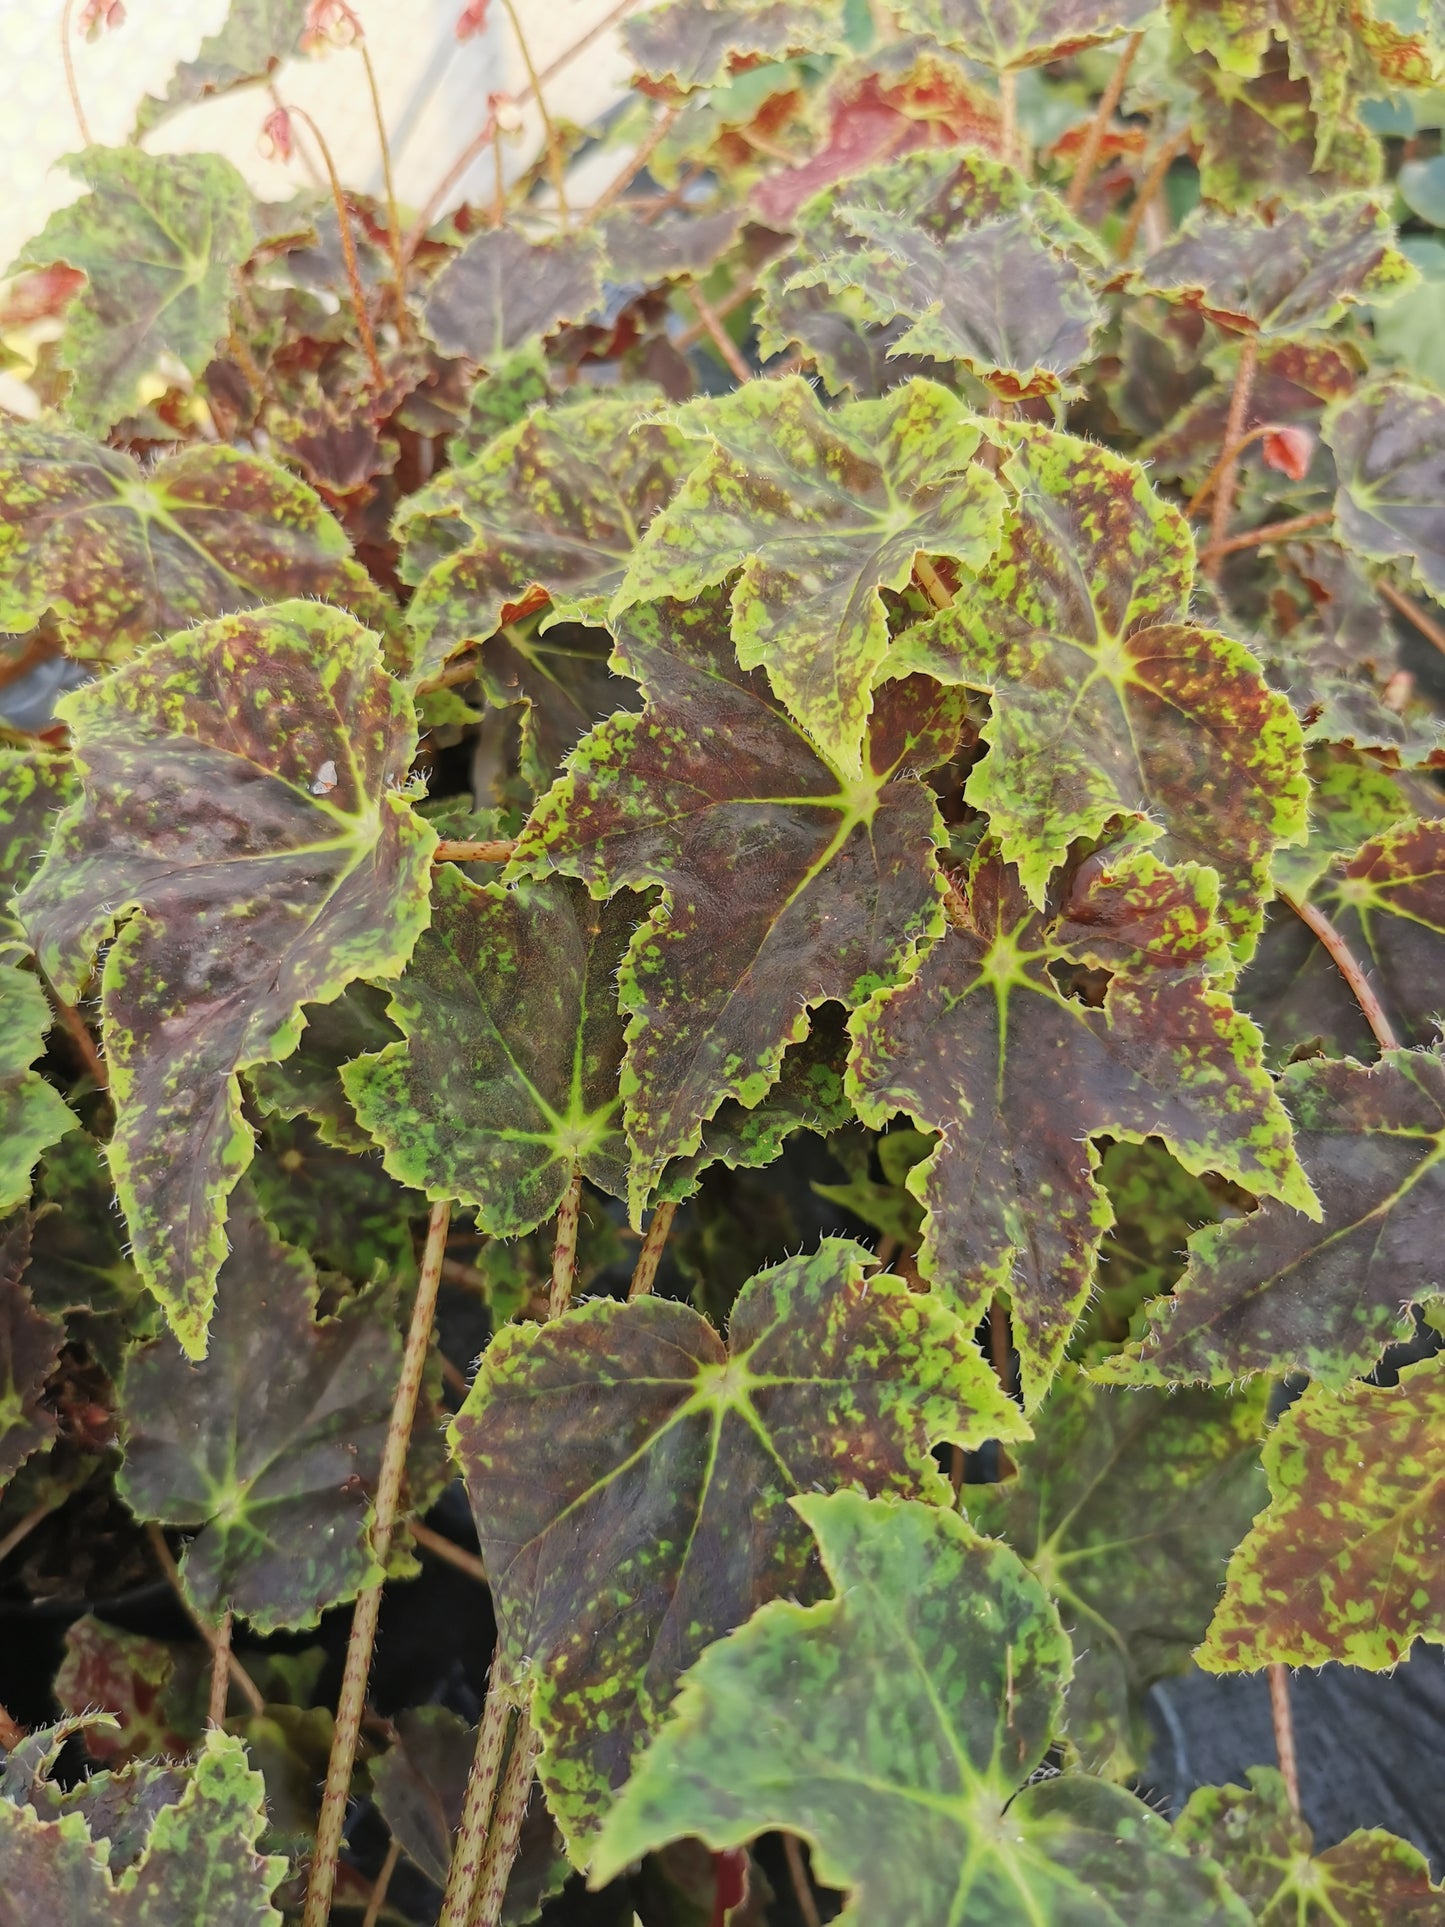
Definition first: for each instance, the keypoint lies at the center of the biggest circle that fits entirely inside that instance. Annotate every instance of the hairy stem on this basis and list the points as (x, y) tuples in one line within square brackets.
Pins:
[(368, 1606), (1410, 609), (78, 1031), (1147, 190), (556, 160), (1233, 430), (650, 1255), (719, 336), (505, 1833), (1008, 104), (1088, 159), (348, 250), (383, 1882), (240, 1678), (801, 1885), (441, 1547), (454, 851), (220, 1671), (1231, 453), (1349, 967), (1270, 532), (393, 219), (564, 1252), (937, 589), (1283, 1718), (620, 182), (466, 1864), (69, 58), (23, 1527)]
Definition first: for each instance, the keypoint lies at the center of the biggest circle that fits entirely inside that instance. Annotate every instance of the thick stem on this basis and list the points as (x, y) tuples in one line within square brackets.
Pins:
[(1231, 453), (1233, 430), (383, 1882), (368, 1606), (937, 589), (564, 1252), (556, 160), (719, 336), (348, 250), (441, 1547), (1283, 1718), (1349, 967), (240, 1678), (220, 1671), (69, 58), (802, 1886), (1008, 103), (1088, 159), (505, 1834), (734, 298), (620, 182), (393, 219), (1270, 532), (645, 1273), (1410, 609), (466, 1866), (999, 1347), (462, 852), (1148, 189)]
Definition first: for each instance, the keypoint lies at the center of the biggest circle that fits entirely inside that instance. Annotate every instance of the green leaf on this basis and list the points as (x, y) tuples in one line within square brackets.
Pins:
[(502, 292), (1126, 1506), (630, 1475), (30, 1345), (1261, 141), (507, 1079), (241, 803), (1275, 1293), (984, 1046), (563, 682), (159, 239), (500, 400), (155, 1693), (896, 1726), (1389, 449), (251, 42), (1106, 701), (687, 44), (116, 555), (338, 1206), (175, 1864), (1370, 1879), (1009, 34), (552, 509), (267, 1450), (1345, 1563), (32, 1115), (1300, 272), (35, 785), (308, 1082), (784, 881), (822, 509), (1351, 800)]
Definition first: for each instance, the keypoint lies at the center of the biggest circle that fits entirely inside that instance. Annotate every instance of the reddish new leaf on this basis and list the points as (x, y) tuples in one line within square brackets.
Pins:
[(155, 1693)]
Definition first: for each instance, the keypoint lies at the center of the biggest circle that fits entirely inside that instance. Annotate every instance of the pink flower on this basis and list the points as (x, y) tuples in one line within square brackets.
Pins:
[(329, 23), (100, 16), (472, 19), (1290, 451), (275, 142)]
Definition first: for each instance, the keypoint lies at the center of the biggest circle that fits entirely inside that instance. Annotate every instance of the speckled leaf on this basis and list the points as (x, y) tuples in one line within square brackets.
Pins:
[(256, 888), (1015, 311), (35, 785), (116, 555), (158, 238), (339, 1207), (503, 291), (308, 1082), (821, 509), (268, 1449), (1387, 900), (1299, 273), (983, 1046), (689, 44), (252, 40), (30, 1345), (1370, 1879), (1275, 1293), (552, 509), (1009, 34), (32, 1115), (562, 679), (1345, 1564), (199, 1861), (1106, 700), (784, 882), (1389, 449), (646, 250), (1352, 799), (155, 1693), (630, 1477), (896, 1727), (1260, 140), (500, 400), (507, 1079), (1127, 1507)]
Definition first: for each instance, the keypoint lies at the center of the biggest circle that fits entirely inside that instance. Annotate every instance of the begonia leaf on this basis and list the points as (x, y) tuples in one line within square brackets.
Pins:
[(500, 400), (821, 509), (1345, 1563), (630, 1477), (32, 1114), (251, 42), (35, 785), (1009, 34), (563, 680), (339, 1207), (1261, 143), (551, 509), (1300, 272), (503, 291), (1126, 1506), (984, 1046), (916, 1798), (30, 1343), (116, 555), (159, 238), (199, 1861), (1370, 1878), (1293, 382), (647, 252), (155, 1693), (308, 1082), (506, 1081), (241, 802), (267, 1450), (688, 44), (841, 878), (1106, 700), (1276, 1293), (1352, 798), (1389, 450)]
